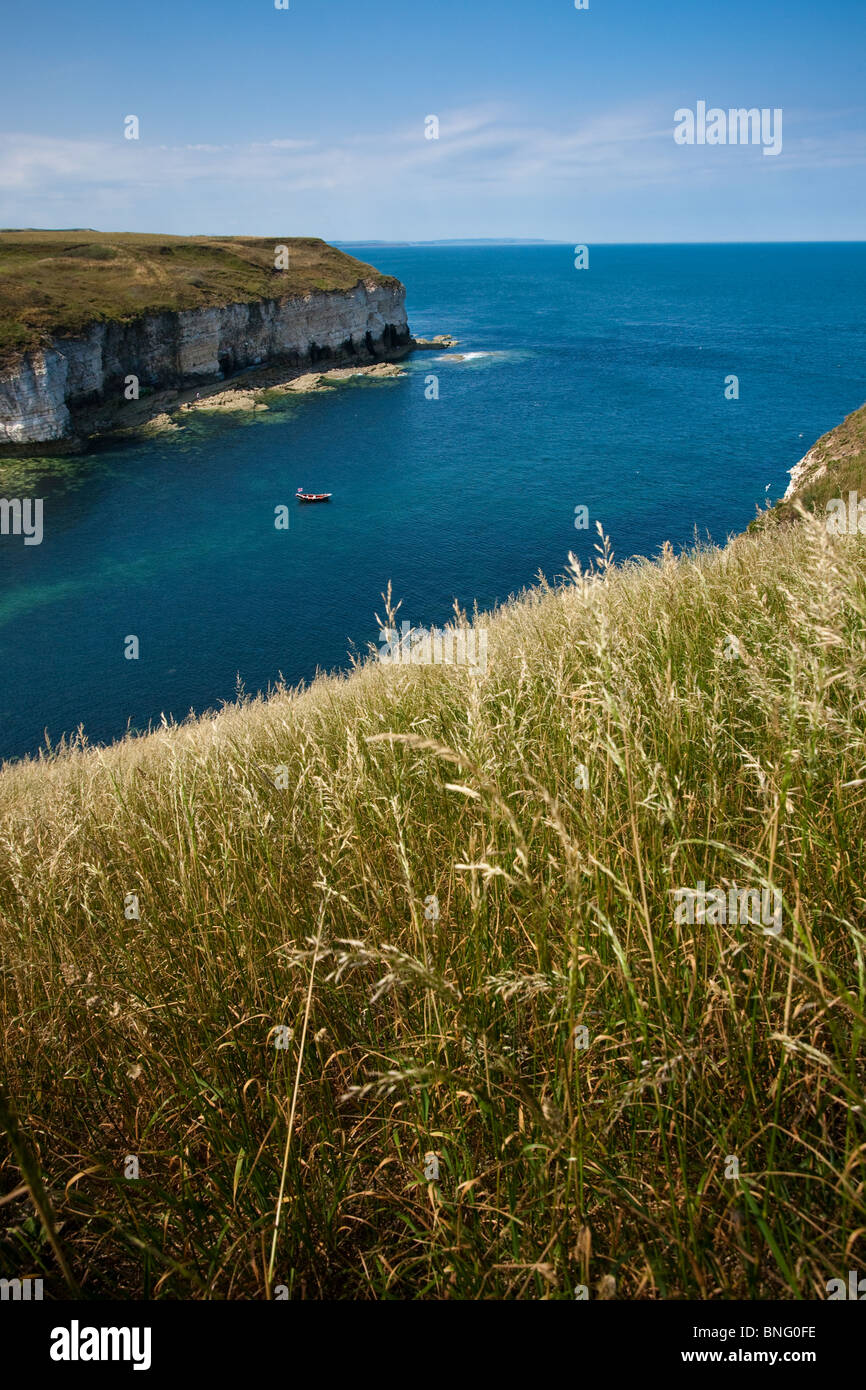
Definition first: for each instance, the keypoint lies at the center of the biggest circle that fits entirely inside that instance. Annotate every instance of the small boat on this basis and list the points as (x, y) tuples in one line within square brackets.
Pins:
[(313, 496)]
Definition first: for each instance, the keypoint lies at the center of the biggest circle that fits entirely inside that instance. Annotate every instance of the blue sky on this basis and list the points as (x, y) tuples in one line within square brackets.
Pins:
[(554, 122)]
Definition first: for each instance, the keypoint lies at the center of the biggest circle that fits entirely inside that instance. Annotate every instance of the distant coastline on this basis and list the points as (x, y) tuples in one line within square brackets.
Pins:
[(459, 241)]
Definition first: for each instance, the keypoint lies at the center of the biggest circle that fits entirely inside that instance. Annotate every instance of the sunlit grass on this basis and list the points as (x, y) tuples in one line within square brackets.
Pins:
[(60, 283), (308, 906)]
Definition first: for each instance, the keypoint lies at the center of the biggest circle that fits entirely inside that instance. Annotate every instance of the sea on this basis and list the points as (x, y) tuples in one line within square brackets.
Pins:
[(666, 390)]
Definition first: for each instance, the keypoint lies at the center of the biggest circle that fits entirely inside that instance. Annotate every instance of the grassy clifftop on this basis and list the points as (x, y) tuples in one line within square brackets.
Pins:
[(55, 283), (835, 465), (420, 911)]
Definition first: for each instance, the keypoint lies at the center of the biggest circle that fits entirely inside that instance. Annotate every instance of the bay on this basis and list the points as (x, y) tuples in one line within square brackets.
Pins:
[(602, 387)]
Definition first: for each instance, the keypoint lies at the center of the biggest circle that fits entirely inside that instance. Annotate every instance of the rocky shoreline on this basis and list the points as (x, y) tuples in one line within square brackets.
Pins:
[(164, 411), (119, 373)]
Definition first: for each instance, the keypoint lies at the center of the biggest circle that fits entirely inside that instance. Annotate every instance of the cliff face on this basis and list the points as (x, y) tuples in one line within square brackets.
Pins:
[(40, 396), (835, 464)]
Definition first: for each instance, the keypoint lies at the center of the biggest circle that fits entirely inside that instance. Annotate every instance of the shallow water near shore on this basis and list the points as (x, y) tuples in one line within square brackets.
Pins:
[(603, 387)]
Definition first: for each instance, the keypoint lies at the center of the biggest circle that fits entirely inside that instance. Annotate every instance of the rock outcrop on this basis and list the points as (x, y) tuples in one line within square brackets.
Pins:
[(839, 456), (442, 340), (42, 395)]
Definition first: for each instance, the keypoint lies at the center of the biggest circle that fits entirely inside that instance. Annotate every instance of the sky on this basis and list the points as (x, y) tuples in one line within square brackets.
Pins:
[(553, 122)]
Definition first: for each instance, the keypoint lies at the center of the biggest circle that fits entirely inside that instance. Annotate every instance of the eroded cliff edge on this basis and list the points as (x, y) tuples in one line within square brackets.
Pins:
[(45, 397)]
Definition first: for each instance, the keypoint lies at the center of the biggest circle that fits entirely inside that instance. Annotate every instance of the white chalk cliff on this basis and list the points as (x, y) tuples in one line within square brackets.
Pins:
[(40, 395)]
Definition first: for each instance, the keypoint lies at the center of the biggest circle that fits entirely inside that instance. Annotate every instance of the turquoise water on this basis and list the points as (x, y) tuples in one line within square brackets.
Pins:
[(602, 387)]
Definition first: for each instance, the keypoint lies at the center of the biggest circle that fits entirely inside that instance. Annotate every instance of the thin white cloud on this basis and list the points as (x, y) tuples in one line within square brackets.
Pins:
[(482, 152)]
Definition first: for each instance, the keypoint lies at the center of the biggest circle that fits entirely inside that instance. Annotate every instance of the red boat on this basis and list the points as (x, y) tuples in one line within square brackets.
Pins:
[(313, 496)]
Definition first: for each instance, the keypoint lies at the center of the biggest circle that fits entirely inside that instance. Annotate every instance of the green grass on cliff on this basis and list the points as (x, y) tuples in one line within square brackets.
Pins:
[(56, 283), (704, 1137), (837, 465)]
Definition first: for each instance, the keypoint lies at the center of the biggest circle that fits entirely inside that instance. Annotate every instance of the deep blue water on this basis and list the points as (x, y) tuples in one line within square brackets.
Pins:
[(603, 387)]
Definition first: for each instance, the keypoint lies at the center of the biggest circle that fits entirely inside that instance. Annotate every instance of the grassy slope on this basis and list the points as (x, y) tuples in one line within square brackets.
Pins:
[(836, 464), (559, 1166), (55, 283)]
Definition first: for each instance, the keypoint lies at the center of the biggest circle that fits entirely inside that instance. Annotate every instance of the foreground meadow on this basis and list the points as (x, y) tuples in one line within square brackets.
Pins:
[(382, 991)]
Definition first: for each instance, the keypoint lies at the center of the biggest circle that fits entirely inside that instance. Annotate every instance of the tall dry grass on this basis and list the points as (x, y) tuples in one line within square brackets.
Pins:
[(308, 907)]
